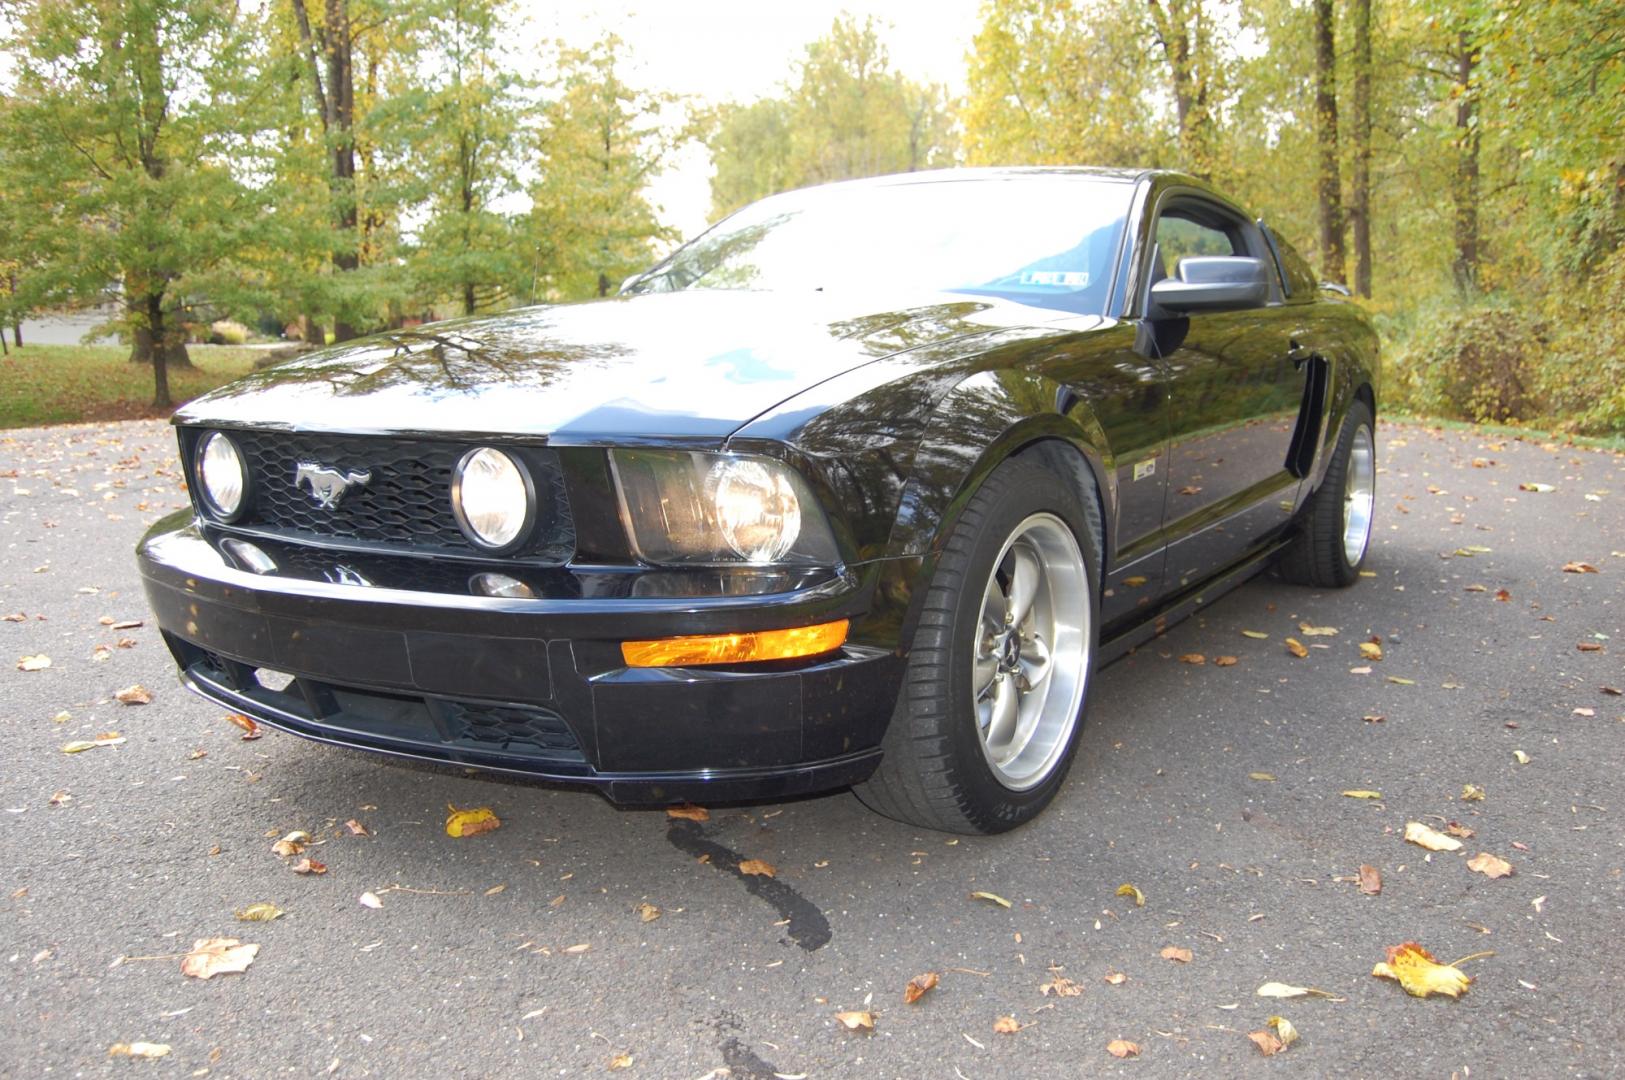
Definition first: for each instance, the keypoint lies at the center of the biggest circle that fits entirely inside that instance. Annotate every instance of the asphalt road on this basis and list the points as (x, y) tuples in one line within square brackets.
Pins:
[(468, 967)]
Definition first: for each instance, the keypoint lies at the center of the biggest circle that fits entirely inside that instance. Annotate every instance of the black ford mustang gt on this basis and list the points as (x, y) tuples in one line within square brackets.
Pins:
[(859, 487)]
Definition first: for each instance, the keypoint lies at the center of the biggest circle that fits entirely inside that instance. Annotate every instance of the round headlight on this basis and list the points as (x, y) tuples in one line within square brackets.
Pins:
[(491, 495), (221, 475), (758, 513)]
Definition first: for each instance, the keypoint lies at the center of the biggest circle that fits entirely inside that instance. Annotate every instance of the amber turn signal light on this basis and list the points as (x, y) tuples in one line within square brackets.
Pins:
[(736, 648)]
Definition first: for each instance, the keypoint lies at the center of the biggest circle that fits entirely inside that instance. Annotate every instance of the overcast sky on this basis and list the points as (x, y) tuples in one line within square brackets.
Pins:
[(740, 50)]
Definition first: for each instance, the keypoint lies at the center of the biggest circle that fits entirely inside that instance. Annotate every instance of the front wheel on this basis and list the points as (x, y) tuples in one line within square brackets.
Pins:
[(1000, 664), (1335, 532)]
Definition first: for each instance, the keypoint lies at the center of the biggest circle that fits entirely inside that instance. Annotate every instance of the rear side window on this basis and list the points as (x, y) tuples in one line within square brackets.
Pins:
[(1301, 283)]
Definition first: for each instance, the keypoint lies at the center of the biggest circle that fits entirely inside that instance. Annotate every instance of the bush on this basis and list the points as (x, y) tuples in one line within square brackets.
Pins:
[(1479, 364), (227, 332), (1584, 381)]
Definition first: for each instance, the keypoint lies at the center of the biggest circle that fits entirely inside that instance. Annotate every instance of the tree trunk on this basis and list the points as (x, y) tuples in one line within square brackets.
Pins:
[(1182, 32), (1466, 186), (17, 331), (341, 98), (159, 351), (1331, 199), (1360, 211), (174, 350)]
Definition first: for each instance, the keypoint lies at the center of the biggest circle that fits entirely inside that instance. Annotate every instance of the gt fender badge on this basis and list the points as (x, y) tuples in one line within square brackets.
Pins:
[(1143, 469)]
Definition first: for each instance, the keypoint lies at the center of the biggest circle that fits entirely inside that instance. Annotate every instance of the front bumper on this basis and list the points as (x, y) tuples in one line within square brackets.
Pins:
[(535, 686)]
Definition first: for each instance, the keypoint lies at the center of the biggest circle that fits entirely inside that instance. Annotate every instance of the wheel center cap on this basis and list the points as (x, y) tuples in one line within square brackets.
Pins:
[(1010, 652)]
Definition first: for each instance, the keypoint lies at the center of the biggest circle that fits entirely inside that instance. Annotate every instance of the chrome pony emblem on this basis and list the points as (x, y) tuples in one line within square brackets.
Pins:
[(327, 485)]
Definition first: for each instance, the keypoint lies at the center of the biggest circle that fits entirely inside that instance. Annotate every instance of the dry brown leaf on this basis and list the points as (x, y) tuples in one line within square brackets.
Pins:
[(1589, 646), (138, 1050), (1419, 834), (1490, 866), (460, 823), (309, 866), (647, 912), (251, 730), (856, 1020), (1224, 661), (1193, 658), (1176, 954), (356, 828), (992, 898), (1061, 986), (1006, 1025), (1503, 595), (1266, 1041), (34, 663), (1457, 829), (1122, 1048), (495, 889), (688, 812), (1579, 568), (261, 912), (1116, 978), (1414, 968), (217, 956), (757, 868), (918, 986), (292, 844), (135, 694), (1126, 889), (1135, 582), (1296, 648), (1370, 880), (60, 798)]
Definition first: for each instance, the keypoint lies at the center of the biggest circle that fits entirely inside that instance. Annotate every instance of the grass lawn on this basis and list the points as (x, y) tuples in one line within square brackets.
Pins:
[(64, 384)]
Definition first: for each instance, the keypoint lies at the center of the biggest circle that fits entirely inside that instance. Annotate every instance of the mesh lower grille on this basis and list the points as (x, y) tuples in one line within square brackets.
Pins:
[(534, 732)]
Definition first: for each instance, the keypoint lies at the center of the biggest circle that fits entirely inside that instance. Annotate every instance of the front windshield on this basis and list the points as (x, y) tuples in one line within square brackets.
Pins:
[(1046, 240)]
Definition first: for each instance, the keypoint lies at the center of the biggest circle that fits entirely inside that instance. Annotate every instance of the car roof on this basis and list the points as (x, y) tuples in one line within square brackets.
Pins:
[(995, 172)]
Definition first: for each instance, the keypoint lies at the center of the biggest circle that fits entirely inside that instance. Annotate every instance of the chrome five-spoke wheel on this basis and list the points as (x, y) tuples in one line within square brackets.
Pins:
[(1359, 493), (1032, 651)]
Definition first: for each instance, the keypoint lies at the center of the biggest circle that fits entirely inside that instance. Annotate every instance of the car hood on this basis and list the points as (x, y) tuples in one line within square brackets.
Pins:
[(697, 364)]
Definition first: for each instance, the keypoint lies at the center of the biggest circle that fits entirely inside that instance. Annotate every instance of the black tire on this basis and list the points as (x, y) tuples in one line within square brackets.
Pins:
[(1318, 556), (935, 772)]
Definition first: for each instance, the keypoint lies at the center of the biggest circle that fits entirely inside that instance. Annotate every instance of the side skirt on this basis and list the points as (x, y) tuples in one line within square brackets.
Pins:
[(1182, 605)]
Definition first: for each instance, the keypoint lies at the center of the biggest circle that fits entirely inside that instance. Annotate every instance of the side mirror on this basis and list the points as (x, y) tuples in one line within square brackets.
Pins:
[(1212, 283)]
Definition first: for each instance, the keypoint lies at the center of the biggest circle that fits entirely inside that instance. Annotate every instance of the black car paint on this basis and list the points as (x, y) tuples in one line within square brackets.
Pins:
[(894, 418)]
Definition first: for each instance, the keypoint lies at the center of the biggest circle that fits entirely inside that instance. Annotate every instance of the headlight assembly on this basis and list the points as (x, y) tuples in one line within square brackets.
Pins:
[(683, 507), (222, 476)]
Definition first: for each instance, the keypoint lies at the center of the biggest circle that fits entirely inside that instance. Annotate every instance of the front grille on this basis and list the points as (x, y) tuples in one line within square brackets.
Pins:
[(405, 505)]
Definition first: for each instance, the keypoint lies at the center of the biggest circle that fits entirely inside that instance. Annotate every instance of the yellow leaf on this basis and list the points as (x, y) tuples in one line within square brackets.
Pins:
[(757, 868), (1520, 757), (292, 844), (1134, 582), (1130, 890), (1296, 648), (1287, 990), (991, 897), (1115, 978), (79, 746), (577, 950), (34, 663), (1363, 794), (1122, 1048), (857, 1020), (1283, 1030), (1400, 681), (648, 912), (1256, 635), (261, 912), (1370, 650), (1489, 865), (1262, 776), (217, 956), (1414, 968), (1472, 793), (470, 822), (1432, 839), (1317, 631), (917, 987), (1006, 1025), (138, 1050), (620, 1061), (1193, 658)]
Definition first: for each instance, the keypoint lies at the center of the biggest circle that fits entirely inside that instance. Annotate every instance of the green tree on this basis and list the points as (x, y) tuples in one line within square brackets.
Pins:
[(130, 123), (750, 153)]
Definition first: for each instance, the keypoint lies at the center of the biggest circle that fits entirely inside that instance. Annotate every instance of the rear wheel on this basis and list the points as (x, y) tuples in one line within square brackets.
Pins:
[(1335, 532), (1000, 664)]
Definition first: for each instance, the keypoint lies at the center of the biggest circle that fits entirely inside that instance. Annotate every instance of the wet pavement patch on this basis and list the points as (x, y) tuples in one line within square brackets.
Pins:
[(806, 926)]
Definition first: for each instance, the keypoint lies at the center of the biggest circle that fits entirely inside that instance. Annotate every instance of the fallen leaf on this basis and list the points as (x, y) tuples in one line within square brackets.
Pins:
[(993, 898), (1122, 1048), (1317, 631), (217, 956), (59, 798), (1176, 954), (1472, 793), (251, 730), (1282, 990), (138, 1050), (79, 746), (1611, 691), (309, 866), (1374, 718), (369, 899), (1520, 757), (356, 828), (1266, 1041), (1370, 650), (1006, 1025), (1584, 711), (1536, 487), (292, 844), (1414, 968), (577, 950), (1398, 680), (1489, 865), (622, 1060), (918, 986), (688, 812), (34, 663), (1115, 978), (261, 912), (1061, 986), (1589, 646), (1193, 658), (127, 624), (135, 694), (757, 868), (1432, 839), (647, 912), (495, 889), (1262, 776), (1457, 829), (856, 1020), (1130, 890), (1363, 794), (1579, 568), (1295, 647), (1224, 661), (1503, 595), (461, 823), (1475, 588), (1283, 1030), (1370, 880), (1256, 635)]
